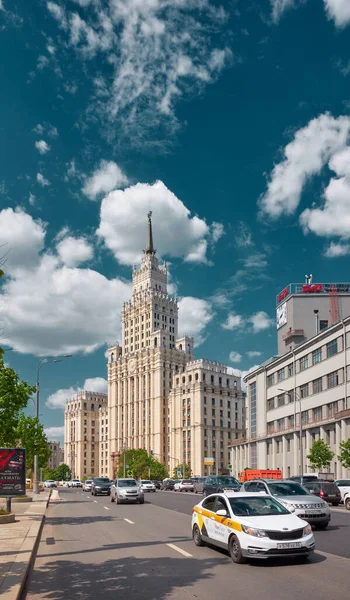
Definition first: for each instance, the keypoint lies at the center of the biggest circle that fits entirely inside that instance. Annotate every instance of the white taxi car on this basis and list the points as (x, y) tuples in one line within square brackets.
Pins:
[(147, 485), (250, 525)]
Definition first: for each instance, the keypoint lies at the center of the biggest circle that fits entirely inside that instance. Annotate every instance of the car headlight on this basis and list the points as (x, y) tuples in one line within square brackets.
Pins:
[(307, 530), (253, 531)]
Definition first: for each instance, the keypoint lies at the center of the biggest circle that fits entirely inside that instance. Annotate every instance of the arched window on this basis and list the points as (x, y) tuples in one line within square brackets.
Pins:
[(112, 357)]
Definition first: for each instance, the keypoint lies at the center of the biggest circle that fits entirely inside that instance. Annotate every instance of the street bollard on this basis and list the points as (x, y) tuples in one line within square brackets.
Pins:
[(8, 504)]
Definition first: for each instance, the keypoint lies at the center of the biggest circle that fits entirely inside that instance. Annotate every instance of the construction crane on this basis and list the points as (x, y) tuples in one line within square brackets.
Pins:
[(333, 305)]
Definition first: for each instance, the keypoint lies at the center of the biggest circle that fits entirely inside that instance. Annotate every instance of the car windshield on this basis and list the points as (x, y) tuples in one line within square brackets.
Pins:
[(227, 481), (102, 480), (285, 488), (88, 481), (257, 506), (127, 483), (146, 481)]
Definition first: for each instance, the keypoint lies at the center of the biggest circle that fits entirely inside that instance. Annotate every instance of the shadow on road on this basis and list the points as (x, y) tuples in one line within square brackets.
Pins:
[(141, 578), (80, 520)]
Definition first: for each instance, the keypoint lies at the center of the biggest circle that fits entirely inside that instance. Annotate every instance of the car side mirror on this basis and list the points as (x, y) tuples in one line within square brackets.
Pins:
[(222, 513), (291, 509), (312, 492)]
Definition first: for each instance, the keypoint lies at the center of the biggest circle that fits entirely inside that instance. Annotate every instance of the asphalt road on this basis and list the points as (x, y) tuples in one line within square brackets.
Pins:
[(91, 548)]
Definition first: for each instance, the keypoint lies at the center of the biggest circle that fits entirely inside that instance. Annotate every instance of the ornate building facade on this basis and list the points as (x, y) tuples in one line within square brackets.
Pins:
[(145, 396)]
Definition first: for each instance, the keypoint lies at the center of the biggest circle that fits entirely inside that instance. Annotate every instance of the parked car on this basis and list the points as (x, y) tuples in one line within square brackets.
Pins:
[(147, 485), (344, 486), (185, 485), (87, 485), (168, 485), (325, 490), (126, 490), (251, 526), (347, 500), (50, 483), (75, 483), (306, 478), (158, 484), (294, 496), (101, 485), (220, 483), (198, 483)]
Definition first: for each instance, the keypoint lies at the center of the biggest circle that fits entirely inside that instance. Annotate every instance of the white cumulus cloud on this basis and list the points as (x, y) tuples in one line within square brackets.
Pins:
[(311, 148), (194, 316), (339, 11), (253, 353), (335, 250), (260, 321), (74, 251), (21, 240), (107, 177), (42, 146), (235, 357), (233, 322), (58, 399), (279, 6), (123, 224), (42, 180), (54, 433)]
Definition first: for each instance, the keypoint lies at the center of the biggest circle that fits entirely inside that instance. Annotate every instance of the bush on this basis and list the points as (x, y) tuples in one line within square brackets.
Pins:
[(3, 512)]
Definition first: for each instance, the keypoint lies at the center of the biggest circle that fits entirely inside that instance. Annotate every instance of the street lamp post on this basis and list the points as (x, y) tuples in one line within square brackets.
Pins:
[(43, 361), (300, 431)]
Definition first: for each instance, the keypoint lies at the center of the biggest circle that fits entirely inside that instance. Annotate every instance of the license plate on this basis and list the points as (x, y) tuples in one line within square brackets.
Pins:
[(314, 512), (290, 545), (332, 495)]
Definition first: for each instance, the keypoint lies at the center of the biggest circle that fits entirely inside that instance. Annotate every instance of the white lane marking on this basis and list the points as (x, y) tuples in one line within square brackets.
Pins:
[(183, 552), (330, 555), (128, 521), (88, 496), (105, 507), (95, 501)]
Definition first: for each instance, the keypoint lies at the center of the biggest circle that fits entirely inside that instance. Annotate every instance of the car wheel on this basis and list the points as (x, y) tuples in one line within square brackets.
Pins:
[(141, 501), (154, 491), (321, 525), (347, 503), (234, 548), (197, 536)]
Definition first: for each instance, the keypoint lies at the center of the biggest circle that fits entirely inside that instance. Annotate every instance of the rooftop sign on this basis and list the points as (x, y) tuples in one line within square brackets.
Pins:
[(313, 288)]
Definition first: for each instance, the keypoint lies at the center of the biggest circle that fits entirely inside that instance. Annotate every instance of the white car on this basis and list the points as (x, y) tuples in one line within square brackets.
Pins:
[(75, 483), (87, 485), (185, 485), (251, 526), (50, 483), (344, 486), (147, 485), (347, 500)]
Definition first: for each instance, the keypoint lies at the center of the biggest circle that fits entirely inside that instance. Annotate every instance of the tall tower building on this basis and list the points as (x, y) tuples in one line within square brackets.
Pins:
[(141, 370)]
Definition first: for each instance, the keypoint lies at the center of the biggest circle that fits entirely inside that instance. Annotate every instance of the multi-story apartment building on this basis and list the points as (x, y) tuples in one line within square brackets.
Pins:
[(56, 455), (143, 371), (84, 438), (309, 386), (204, 416)]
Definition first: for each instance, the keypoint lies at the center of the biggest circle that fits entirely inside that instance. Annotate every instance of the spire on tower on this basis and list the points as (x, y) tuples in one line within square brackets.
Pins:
[(149, 246)]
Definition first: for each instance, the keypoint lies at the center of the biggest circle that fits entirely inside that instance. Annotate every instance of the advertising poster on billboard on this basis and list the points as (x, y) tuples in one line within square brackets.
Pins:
[(12, 472)]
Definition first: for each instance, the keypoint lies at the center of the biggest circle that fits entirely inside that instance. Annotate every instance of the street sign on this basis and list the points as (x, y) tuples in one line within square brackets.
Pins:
[(12, 472), (179, 473), (130, 473), (208, 460)]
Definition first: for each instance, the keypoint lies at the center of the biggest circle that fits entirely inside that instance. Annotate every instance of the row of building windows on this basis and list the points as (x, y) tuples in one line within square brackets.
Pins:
[(326, 411), (304, 362), (316, 386)]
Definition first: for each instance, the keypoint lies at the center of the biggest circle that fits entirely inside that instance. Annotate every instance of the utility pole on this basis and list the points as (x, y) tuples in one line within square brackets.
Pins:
[(124, 450), (301, 453)]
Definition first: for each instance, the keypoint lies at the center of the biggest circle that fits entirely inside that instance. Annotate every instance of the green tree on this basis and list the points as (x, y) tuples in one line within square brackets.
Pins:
[(344, 456), (139, 462), (14, 396), (62, 473), (31, 436), (320, 455), (185, 470)]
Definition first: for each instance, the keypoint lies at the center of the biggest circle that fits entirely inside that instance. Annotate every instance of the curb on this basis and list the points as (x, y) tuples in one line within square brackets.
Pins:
[(16, 578)]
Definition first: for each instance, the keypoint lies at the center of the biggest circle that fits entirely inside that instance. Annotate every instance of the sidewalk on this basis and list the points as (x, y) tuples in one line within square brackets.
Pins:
[(17, 543)]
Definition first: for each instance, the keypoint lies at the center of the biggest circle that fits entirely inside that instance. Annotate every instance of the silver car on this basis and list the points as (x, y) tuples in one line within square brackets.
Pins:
[(126, 490), (293, 496), (87, 485)]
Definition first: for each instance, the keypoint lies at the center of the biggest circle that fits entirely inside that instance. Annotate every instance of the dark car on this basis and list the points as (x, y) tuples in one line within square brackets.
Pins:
[(198, 483), (168, 485), (306, 478), (101, 485), (158, 484), (329, 492), (220, 483)]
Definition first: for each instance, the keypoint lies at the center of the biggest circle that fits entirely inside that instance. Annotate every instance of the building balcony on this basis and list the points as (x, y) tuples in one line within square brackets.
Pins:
[(293, 333)]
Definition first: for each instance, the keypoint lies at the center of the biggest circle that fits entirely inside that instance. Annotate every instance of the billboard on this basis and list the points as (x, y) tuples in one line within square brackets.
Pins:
[(12, 472), (313, 288)]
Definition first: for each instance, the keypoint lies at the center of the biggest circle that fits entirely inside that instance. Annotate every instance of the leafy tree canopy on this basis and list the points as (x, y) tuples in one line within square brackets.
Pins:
[(139, 462), (62, 473), (31, 436), (14, 396), (344, 456), (320, 455), (185, 470)]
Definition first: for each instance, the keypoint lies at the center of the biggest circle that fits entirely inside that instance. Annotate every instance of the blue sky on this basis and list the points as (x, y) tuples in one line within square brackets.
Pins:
[(230, 120)]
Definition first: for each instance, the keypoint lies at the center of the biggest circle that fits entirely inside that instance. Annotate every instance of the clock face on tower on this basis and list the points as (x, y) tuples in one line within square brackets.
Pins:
[(132, 365)]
